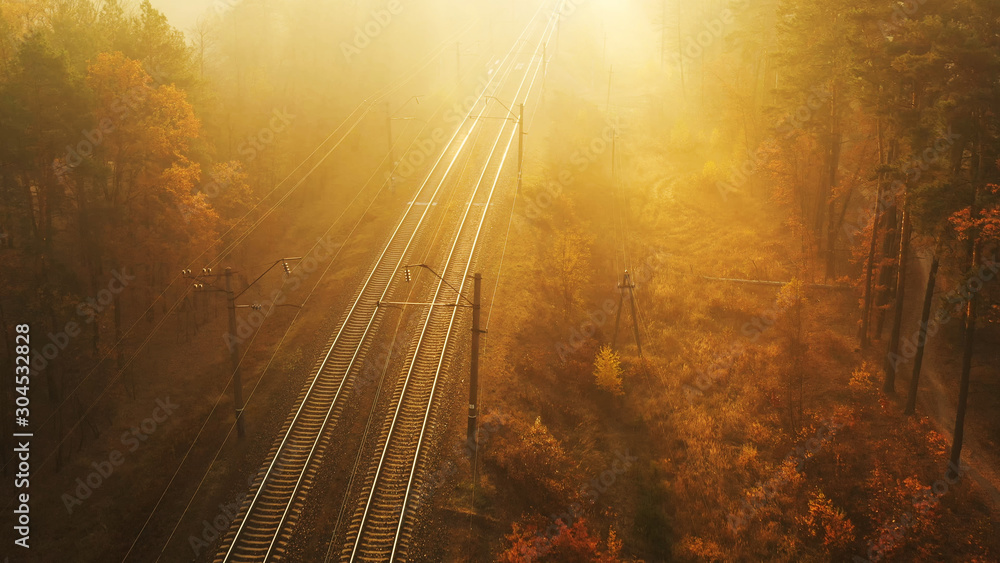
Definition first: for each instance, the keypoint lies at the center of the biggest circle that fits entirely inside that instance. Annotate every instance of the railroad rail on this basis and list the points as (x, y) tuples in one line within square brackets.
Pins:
[(262, 529), (382, 524)]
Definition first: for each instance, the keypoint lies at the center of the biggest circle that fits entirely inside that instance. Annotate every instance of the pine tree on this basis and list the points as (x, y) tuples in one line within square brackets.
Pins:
[(608, 371)]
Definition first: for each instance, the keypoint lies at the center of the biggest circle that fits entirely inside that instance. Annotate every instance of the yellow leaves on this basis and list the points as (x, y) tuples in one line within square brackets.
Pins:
[(181, 176), (614, 543), (608, 371), (170, 110), (790, 294), (119, 84), (862, 380), (141, 140), (229, 190), (20, 19), (165, 220), (532, 459)]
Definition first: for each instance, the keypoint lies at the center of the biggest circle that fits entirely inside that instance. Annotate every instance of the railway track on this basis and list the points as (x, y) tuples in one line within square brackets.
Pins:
[(262, 529), (382, 525)]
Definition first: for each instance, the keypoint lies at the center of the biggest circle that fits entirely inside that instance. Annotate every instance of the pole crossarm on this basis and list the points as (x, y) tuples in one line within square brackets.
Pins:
[(403, 105), (203, 278), (438, 276), (271, 267), (234, 352), (514, 117)]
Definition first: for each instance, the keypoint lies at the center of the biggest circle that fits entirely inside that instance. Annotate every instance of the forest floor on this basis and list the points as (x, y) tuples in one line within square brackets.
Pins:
[(695, 459), (940, 374)]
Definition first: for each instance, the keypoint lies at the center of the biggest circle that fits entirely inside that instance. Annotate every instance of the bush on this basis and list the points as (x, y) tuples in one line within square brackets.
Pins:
[(533, 461), (569, 544)]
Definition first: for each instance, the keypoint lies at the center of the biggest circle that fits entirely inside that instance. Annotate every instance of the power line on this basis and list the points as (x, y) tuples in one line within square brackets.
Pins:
[(371, 103), (496, 287), (274, 353)]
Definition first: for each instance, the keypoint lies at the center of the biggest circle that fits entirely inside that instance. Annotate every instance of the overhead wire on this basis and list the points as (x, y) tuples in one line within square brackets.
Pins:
[(276, 349), (463, 143), (263, 373), (489, 315), (370, 102), (392, 348)]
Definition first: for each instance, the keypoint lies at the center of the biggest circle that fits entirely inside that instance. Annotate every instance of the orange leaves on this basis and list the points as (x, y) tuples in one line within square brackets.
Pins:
[(573, 543), (695, 548), (173, 118), (987, 223), (862, 379), (827, 522), (525, 545), (140, 144), (559, 544), (119, 84), (141, 125), (229, 192), (533, 460)]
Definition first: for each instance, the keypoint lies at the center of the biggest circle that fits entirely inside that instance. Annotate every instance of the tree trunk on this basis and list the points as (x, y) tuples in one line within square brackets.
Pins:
[(967, 350), (866, 311), (970, 321), (887, 272), (892, 356), (833, 232), (831, 183), (922, 336)]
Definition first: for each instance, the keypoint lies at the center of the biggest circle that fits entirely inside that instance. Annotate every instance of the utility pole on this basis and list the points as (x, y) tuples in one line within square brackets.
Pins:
[(234, 353), (544, 67), (520, 147), (545, 61), (519, 118), (604, 50), (477, 280), (390, 116), (627, 284), (663, 36), (611, 73), (558, 27), (388, 129), (614, 143), (203, 282), (472, 435)]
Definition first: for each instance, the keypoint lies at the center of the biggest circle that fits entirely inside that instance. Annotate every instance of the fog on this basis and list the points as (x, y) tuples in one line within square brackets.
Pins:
[(538, 280)]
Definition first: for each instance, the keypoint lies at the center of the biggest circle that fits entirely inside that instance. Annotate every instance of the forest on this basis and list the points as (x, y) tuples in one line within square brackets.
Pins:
[(717, 278)]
